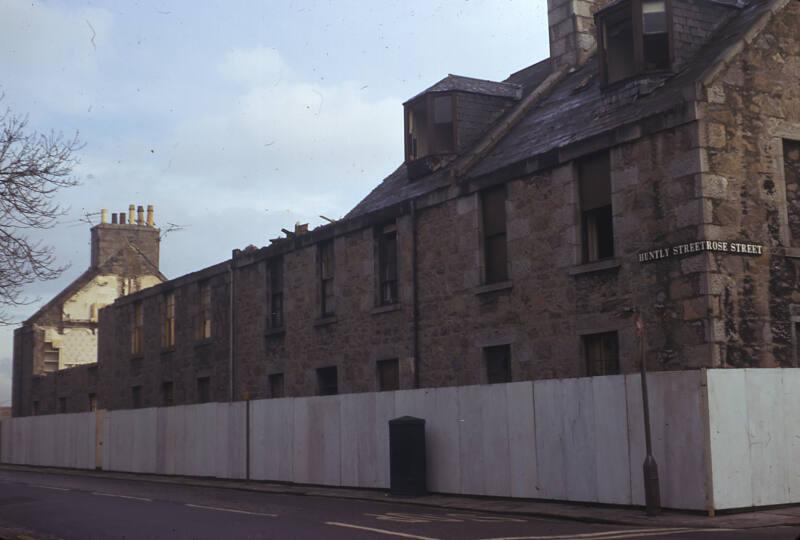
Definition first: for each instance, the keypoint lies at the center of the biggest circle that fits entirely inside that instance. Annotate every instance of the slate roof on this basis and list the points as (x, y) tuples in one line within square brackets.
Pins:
[(457, 83), (579, 108)]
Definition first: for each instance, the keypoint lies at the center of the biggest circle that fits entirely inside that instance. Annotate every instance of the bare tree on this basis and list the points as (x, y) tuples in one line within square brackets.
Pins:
[(33, 167)]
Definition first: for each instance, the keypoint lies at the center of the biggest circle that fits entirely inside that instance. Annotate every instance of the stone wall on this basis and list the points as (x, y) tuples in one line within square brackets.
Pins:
[(750, 108)]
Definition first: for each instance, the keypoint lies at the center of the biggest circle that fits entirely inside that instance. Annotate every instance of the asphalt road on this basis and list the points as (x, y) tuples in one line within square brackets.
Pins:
[(82, 508)]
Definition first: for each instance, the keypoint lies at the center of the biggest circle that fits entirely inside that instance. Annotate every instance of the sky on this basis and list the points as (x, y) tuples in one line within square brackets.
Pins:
[(235, 119)]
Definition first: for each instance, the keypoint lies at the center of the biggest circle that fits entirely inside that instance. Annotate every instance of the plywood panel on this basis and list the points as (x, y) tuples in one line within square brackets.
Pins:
[(612, 471), (765, 422), (578, 410), (522, 440), (550, 445)]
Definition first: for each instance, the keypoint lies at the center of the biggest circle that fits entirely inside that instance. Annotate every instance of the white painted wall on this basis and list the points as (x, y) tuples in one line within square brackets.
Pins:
[(571, 439)]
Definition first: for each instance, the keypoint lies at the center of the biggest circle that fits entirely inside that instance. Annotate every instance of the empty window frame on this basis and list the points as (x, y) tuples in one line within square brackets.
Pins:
[(601, 353), (597, 223), (168, 321), (388, 375), (137, 331), (62, 405), (276, 293), (791, 168), (495, 243), (326, 272), (498, 364), (136, 397), (635, 37), (204, 329), (203, 389), (276, 385), (387, 265), (51, 358), (328, 381), (167, 393), (429, 126), (92, 402)]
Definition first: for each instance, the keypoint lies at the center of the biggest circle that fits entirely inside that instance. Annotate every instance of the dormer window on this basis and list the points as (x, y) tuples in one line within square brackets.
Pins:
[(635, 38), (429, 126)]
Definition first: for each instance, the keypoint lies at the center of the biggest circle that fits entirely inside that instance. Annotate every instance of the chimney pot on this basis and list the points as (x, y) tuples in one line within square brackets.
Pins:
[(114, 218), (122, 218), (150, 216), (103, 215), (140, 215), (131, 214)]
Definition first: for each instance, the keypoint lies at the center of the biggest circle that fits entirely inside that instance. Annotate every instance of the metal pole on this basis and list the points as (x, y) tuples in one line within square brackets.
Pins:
[(652, 492)]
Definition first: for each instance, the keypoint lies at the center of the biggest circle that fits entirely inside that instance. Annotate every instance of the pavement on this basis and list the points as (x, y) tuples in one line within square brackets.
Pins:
[(598, 514)]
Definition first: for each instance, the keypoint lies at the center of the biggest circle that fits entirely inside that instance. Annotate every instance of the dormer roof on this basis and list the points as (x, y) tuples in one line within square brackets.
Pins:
[(457, 83)]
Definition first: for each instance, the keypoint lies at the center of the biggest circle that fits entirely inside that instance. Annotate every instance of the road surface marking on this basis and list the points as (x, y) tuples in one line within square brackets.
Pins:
[(380, 531), (402, 517), (219, 509), (121, 496), (612, 535), (49, 487)]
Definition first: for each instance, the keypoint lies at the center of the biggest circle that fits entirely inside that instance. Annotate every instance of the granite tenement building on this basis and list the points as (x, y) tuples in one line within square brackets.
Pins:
[(650, 168), (55, 350)]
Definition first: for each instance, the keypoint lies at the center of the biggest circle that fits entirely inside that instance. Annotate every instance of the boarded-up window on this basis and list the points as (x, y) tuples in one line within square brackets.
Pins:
[(204, 312), (498, 364), (62, 405), (597, 225), (168, 321), (328, 381), (388, 375), (601, 352), (387, 265), (276, 293), (276, 385), (791, 164), (136, 397), (327, 298), (495, 244), (167, 393), (138, 329), (92, 402), (203, 389)]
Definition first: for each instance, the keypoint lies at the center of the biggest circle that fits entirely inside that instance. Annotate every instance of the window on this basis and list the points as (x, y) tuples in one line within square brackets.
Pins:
[(429, 126), (796, 343), (387, 265), (495, 246), (168, 321), (51, 358), (791, 165), (327, 381), (629, 48), (498, 364), (167, 393), (204, 313), (92, 402), (276, 293), (388, 375), (138, 329), (276, 389), (204, 389), (327, 299), (597, 225), (601, 352), (136, 397), (62, 405), (35, 408)]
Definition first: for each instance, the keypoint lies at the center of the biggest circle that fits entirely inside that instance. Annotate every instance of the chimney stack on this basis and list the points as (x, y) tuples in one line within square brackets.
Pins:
[(151, 222), (131, 214), (572, 30)]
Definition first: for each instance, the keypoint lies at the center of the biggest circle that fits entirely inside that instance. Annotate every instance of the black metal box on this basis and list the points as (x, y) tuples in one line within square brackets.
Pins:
[(408, 469)]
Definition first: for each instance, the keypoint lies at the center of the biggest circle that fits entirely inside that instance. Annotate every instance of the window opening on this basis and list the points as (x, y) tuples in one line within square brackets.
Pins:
[(597, 224), (387, 265), (326, 261), (495, 245), (498, 364), (168, 318), (601, 353), (327, 381), (276, 293), (388, 375), (276, 385)]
